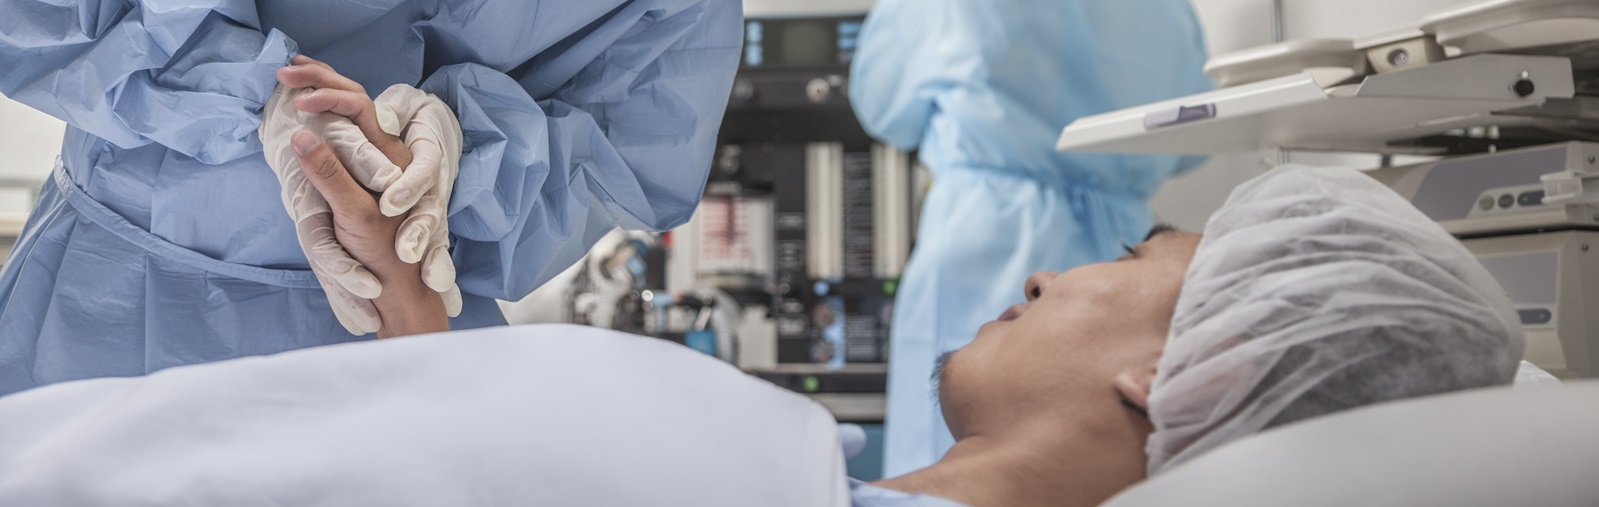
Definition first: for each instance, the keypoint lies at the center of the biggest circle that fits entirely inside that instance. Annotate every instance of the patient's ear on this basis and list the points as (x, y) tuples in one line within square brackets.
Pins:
[(1134, 386)]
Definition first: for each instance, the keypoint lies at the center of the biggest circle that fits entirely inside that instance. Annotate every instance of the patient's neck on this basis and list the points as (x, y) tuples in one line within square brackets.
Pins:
[(1075, 457)]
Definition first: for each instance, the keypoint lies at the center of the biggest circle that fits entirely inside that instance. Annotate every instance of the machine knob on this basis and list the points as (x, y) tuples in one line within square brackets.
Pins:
[(728, 158), (743, 90), (1399, 58), (818, 90), (1524, 87)]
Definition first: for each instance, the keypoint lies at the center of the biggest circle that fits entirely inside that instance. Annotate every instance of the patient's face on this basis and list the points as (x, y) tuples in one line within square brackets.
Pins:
[(1063, 349)]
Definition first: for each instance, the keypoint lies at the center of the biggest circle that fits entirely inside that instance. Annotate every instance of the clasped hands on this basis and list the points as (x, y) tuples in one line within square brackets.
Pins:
[(368, 185)]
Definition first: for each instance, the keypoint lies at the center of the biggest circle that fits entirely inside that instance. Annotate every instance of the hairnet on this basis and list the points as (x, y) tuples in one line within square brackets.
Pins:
[(1316, 290)]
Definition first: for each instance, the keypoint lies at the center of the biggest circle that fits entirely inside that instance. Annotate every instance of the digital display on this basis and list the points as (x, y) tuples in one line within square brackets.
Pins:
[(800, 42)]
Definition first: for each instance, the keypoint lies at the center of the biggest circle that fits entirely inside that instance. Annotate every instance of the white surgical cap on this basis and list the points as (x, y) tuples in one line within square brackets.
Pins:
[(1317, 290)]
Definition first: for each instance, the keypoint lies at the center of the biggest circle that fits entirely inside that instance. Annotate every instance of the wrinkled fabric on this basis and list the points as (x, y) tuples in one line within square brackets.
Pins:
[(553, 415), (1319, 290), (162, 239), (982, 89)]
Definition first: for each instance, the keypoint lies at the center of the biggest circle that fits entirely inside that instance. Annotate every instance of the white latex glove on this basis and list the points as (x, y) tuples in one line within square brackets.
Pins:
[(349, 286), (433, 134)]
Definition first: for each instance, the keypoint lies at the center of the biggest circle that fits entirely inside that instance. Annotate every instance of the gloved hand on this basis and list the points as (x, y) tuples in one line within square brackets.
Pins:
[(433, 135), (423, 189), (349, 286)]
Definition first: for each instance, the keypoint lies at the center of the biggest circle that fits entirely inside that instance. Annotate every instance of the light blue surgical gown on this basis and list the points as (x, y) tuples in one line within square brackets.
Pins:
[(161, 239), (983, 88)]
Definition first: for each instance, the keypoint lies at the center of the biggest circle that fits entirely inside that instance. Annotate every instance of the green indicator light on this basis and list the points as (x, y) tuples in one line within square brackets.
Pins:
[(812, 383)]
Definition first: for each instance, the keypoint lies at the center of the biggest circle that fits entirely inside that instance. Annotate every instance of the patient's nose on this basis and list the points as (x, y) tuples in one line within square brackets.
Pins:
[(1037, 283)]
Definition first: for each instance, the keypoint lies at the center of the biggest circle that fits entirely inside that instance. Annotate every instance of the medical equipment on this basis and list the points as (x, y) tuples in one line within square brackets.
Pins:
[(1553, 280), (1502, 88), (806, 224), (1505, 205), (1504, 73), (1506, 192), (1528, 216), (802, 210)]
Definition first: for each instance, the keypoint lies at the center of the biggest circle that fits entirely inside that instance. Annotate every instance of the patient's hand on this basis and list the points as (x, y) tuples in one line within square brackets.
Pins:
[(428, 149), (406, 305)]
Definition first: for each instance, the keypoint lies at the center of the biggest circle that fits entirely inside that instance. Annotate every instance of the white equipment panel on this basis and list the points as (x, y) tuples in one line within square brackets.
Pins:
[(1498, 193), (1552, 279), (1313, 110)]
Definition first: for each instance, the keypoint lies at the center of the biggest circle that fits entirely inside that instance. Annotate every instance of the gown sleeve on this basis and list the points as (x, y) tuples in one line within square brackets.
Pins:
[(912, 50), (549, 167), (190, 75)]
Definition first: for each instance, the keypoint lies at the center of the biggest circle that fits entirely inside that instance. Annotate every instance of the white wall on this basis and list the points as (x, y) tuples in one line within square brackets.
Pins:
[(1352, 19), (785, 8), (1230, 25), (29, 143)]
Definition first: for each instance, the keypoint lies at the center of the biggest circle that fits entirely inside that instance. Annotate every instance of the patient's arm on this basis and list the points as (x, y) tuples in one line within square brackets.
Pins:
[(407, 306)]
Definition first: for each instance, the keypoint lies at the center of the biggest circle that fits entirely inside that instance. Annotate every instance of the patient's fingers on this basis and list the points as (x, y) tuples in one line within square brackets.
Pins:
[(360, 110), (349, 104), (305, 72), (343, 196), (302, 59), (369, 165), (323, 169)]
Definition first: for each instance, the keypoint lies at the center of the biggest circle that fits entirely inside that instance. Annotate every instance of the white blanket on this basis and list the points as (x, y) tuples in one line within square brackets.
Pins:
[(532, 415)]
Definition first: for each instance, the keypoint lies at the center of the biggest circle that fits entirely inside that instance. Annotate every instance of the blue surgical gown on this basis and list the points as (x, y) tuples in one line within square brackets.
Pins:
[(161, 239), (983, 88)]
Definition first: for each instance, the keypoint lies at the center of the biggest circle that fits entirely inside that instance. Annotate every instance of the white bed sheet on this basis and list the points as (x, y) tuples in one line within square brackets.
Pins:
[(530, 415)]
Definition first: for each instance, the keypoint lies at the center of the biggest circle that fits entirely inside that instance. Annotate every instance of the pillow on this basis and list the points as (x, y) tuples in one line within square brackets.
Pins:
[(1494, 446)]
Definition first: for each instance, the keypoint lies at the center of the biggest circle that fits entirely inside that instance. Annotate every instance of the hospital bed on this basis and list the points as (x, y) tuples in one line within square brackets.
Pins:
[(569, 415)]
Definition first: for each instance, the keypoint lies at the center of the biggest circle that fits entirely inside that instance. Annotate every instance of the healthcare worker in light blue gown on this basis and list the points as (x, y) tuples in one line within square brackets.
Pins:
[(161, 239), (983, 88)]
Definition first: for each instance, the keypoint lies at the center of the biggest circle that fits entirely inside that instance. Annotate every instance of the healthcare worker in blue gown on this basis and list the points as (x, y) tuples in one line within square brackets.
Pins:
[(983, 88), (161, 238)]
